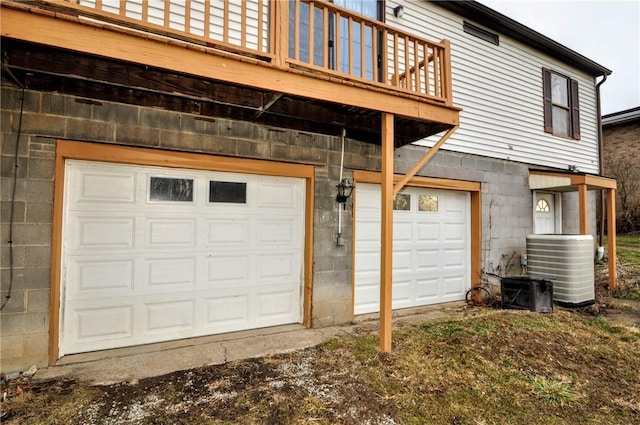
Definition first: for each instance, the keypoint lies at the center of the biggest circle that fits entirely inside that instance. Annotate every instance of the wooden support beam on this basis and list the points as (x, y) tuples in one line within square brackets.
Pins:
[(386, 225), (269, 104), (583, 209), (428, 155), (189, 59), (447, 79), (280, 10), (611, 238), (476, 238)]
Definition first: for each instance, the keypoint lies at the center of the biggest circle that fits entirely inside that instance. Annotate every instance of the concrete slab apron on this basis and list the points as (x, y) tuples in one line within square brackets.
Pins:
[(131, 365)]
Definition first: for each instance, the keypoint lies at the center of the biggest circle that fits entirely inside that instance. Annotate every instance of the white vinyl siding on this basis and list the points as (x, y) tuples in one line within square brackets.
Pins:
[(500, 91), (177, 11)]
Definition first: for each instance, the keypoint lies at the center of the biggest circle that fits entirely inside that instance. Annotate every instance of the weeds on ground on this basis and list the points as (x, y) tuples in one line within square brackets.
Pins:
[(502, 367), (554, 391)]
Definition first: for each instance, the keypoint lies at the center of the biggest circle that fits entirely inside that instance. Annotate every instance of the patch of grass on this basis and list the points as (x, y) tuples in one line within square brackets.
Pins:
[(628, 255), (628, 249), (506, 367), (556, 392), (629, 291), (602, 323)]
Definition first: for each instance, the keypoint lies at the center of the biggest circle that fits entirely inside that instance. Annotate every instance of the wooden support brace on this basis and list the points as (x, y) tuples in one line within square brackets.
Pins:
[(428, 155)]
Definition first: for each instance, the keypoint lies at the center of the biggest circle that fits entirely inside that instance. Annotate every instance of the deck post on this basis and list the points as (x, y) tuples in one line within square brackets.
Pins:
[(583, 209), (476, 238), (611, 238), (280, 33), (386, 225)]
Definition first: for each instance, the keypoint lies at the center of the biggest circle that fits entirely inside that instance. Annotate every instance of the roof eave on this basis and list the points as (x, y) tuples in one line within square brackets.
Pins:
[(490, 18)]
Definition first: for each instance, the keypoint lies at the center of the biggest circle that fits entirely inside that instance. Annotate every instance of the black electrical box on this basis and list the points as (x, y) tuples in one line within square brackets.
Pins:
[(527, 293)]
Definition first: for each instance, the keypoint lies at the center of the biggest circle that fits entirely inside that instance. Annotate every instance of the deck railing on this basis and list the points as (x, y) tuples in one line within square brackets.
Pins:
[(311, 35)]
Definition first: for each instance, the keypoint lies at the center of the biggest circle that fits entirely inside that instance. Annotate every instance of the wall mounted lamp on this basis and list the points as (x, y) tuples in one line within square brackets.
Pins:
[(398, 11), (345, 188)]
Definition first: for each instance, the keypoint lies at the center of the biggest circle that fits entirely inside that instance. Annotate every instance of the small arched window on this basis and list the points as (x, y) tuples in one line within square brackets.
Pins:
[(542, 206)]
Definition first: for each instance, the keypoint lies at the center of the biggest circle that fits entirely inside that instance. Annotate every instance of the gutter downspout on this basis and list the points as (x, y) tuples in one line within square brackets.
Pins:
[(600, 159)]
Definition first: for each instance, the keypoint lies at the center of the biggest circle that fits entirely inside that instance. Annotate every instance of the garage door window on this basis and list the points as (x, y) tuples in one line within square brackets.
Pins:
[(169, 189), (402, 202), (428, 203), (229, 192)]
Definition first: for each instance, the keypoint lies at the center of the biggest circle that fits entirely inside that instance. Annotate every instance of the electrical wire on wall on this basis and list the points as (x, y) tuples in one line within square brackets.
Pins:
[(340, 207), (7, 297)]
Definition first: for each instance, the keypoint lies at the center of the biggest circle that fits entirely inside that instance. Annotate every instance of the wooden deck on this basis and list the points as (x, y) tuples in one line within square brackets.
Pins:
[(307, 65)]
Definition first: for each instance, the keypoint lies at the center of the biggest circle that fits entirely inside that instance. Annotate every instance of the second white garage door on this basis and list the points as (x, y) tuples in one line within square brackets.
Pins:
[(431, 247), (152, 254)]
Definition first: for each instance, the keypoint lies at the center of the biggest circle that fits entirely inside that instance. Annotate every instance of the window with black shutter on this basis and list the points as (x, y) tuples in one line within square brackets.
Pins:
[(561, 106)]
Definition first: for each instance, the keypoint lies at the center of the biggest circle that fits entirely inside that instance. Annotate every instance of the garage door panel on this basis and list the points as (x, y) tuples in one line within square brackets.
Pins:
[(426, 289), (227, 310), (274, 304), (103, 323), (453, 205), (277, 231), (227, 269), (455, 232), (453, 258), (161, 270), (454, 285), (277, 195), (402, 290), (402, 260), (278, 268), (402, 231), (428, 232), (231, 232), (99, 276), (171, 232), (368, 199), (427, 259), (171, 273), (368, 230), (368, 296), (169, 316), (102, 233), (368, 263), (104, 188)]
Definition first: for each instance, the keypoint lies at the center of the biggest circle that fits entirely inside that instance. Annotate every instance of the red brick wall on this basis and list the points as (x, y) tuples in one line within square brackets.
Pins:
[(623, 139), (621, 152)]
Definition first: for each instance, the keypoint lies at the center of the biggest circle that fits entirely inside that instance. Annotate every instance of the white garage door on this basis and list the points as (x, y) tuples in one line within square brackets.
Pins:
[(153, 254), (431, 247)]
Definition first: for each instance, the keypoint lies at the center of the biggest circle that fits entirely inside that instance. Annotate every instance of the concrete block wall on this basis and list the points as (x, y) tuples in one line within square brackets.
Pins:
[(48, 117), (24, 323), (571, 214), (507, 201)]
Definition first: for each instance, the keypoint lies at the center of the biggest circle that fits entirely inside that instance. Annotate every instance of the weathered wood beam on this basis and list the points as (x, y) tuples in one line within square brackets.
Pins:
[(386, 226), (273, 99), (427, 156), (583, 209), (184, 58), (476, 238), (611, 239)]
